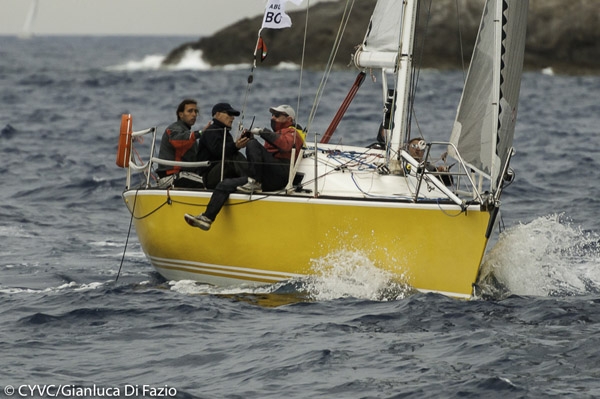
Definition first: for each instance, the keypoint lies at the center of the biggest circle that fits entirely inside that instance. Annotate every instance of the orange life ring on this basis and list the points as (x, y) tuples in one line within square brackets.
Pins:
[(124, 148)]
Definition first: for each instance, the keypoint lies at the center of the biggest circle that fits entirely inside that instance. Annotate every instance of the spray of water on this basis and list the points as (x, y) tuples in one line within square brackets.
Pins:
[(350, 273), (546, 257)]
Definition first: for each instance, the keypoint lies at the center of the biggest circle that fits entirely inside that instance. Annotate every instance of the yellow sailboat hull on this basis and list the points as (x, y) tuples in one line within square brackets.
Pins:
[(265, 239)]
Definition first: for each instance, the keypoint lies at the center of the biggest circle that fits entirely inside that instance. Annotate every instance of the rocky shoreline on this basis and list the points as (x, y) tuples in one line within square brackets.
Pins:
[(562, 35)]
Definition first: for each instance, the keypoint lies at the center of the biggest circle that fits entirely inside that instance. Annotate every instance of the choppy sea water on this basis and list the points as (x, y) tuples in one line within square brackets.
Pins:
[(65, 323)]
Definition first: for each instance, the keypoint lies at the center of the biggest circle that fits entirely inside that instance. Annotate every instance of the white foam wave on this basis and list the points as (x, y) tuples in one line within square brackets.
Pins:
[(287, 66), (341, 274), (350, 273), (190, 287), (546, 257), (107, 244), (548, 71), (191, 60), (63, 287), (148, 63), (14, 231)]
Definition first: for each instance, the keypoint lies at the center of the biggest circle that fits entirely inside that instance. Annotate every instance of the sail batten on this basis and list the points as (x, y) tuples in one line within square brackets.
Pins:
[(513, 49)]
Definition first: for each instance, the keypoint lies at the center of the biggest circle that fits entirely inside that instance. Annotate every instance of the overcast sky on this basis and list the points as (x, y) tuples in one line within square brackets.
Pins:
[(128, 17)]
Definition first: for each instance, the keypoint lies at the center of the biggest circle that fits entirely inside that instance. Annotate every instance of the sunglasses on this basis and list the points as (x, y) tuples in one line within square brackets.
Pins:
[(420, 145), (278, 114)]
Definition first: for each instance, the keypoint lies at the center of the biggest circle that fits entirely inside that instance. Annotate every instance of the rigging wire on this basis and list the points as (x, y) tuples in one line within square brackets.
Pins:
[(416, 76), (128, 235), (302, 64), (146, 172), (460, 42), (249, 81), (329, 66)]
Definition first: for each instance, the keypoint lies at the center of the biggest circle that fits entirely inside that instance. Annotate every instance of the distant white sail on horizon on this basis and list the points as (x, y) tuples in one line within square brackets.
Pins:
[(27, 26)]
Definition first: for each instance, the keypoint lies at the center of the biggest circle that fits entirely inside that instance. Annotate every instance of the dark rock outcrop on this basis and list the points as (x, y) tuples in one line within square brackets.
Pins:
[(564, 35)]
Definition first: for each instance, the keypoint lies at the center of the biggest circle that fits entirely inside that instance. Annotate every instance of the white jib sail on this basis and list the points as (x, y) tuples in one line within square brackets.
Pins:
[(485, 121)]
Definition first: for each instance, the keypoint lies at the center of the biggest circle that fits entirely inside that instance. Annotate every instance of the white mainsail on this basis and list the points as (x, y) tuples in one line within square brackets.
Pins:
[(485, 121), (381, 45)]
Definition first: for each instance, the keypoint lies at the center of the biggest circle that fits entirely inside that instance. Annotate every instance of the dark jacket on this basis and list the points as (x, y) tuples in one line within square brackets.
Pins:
[(211, 143), (211, 149), (178, 143)]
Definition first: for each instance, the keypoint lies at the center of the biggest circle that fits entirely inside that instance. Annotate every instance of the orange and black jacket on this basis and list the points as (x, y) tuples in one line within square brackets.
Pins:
[(178, 143)]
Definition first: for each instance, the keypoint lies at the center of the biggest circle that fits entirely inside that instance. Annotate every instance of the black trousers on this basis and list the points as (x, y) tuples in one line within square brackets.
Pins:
[(271, 172), (235, 166), (221, 195)]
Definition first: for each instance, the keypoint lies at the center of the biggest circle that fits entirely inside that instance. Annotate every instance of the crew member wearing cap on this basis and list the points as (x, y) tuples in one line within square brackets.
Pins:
[(269, 164), (216, 139), (211, 149)]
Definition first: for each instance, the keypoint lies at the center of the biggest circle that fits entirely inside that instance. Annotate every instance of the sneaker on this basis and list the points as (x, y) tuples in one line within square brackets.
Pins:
[(200, 221), (251, 187)]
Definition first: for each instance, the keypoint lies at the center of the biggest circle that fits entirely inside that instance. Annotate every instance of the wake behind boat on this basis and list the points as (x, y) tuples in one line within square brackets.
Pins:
[(426, 226)]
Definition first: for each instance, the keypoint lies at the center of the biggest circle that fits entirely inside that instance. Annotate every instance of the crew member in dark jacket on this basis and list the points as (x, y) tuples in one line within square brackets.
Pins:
[(217, 140), (178, 142), (270, 164)]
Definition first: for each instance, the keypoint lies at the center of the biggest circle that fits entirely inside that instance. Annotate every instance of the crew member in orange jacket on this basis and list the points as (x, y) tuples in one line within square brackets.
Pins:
[(269, 163)]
